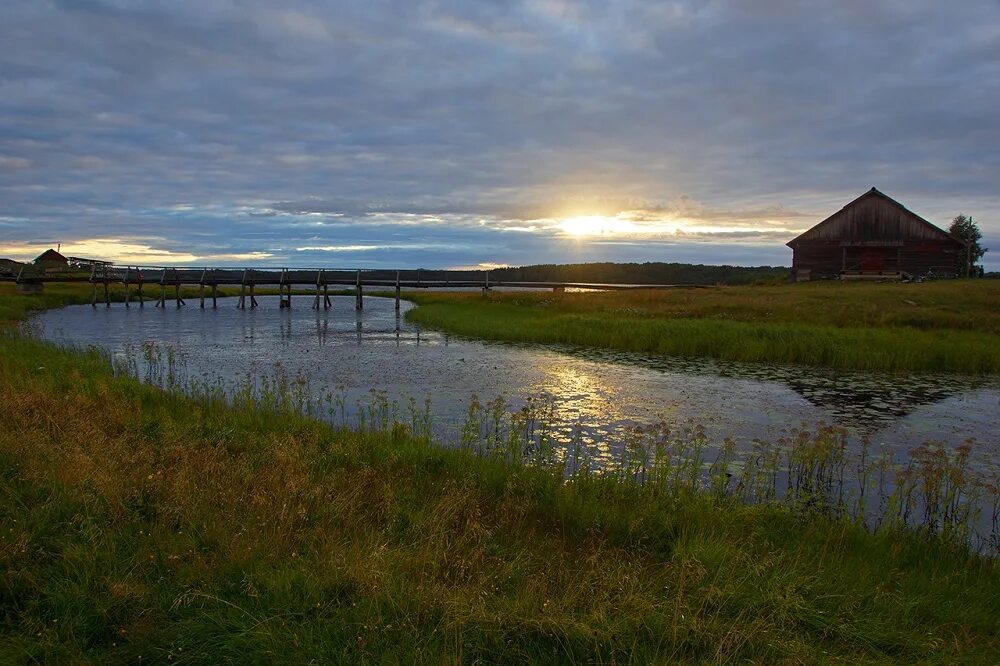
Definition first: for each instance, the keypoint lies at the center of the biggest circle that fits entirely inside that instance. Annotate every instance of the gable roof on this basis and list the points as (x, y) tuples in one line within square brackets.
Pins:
[(51, 255), (872, 216)]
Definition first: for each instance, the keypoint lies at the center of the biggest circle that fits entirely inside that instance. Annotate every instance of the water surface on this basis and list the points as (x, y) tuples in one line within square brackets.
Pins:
[(599, 392)]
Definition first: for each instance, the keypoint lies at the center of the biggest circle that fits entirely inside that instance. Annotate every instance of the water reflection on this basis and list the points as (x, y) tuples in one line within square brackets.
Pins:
[(864, 400), (594, 393)]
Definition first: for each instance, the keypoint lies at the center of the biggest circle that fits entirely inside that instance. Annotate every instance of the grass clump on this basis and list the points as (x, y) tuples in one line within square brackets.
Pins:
[(139, 523), (940, 327)]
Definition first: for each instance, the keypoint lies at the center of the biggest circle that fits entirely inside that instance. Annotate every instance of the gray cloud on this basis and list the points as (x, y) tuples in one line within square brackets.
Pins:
[(215, 128)]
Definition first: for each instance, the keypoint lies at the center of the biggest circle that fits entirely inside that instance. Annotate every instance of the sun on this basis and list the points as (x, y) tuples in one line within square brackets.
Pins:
[(594, 225)]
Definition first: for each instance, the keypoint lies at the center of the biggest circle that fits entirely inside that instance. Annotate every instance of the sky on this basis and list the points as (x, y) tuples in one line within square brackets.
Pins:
[(442, 134)]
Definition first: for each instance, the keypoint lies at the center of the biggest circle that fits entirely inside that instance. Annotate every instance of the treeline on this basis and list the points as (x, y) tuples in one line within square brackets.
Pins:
[(645, 273)]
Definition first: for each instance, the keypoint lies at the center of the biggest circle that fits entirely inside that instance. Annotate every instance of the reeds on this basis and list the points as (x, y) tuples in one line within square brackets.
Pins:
[(932, 489)]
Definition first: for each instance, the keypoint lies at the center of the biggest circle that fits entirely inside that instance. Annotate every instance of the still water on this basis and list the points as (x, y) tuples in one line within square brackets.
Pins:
[(599, 393)]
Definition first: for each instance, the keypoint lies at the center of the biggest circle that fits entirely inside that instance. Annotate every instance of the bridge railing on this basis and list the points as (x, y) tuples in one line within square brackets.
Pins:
[(285, 278), (106, 272)]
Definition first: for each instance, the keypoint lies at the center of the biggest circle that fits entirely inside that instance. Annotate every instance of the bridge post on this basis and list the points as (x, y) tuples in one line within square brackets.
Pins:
[(283, 289), (93, 284), (163, 290), (327, 303), (397, 292), (142, 303), (359, 302), (177, 288), (253, 297), (201, 288), (319, 277), (125, 284), (215, 291), (107, 296), (242, 303), (486, 284)]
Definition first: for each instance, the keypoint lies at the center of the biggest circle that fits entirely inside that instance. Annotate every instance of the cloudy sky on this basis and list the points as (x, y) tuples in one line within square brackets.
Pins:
[(435, 133)]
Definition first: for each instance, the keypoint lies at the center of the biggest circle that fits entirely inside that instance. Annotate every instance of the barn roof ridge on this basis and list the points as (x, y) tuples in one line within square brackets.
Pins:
[(874, 191)]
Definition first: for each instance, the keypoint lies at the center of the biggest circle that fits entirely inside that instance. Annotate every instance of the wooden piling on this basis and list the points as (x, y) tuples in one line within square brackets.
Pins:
[(215, 293), (327, 303), (359, 303), (125, 285), (177, 289), (142, 302), (107, 295), (253, 297), (242, 304), (397, 292), (201, 289), (93, 284), (284, 290), (319, 278)]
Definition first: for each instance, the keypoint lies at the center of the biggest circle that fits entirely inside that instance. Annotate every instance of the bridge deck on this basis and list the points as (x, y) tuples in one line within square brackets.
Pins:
[(312, 277)]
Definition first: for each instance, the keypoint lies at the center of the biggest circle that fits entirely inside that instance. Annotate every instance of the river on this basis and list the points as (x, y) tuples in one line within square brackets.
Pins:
[(598, 393)]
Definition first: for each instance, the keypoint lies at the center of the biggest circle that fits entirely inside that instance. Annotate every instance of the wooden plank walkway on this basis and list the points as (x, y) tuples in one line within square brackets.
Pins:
[(286, 279)]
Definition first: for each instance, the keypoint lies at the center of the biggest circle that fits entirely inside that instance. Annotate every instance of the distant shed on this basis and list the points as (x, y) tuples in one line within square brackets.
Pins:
[(50, 256), (875, 236), (10, 267)]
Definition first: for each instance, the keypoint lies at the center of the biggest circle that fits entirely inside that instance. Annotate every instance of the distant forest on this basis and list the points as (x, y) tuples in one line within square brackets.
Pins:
[(646, 273)]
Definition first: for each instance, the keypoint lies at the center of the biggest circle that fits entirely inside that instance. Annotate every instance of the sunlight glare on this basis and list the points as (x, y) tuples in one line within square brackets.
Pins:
[(595, 225)]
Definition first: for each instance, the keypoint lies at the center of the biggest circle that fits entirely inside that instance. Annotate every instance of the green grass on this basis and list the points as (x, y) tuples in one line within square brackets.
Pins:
[(932, 327), (137, 523)]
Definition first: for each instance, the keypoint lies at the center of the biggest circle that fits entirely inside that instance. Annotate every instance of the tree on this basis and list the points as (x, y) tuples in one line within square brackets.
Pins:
[(966, 230)]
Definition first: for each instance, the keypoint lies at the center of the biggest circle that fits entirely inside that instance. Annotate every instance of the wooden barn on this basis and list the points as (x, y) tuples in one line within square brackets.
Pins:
[(875, 236), (51, 257), (51, 261)]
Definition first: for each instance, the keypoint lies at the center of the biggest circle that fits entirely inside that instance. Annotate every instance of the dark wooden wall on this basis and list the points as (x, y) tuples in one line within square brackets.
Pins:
[(825, 259)]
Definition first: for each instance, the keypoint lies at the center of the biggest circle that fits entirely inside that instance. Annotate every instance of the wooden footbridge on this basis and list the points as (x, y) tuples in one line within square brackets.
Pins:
[(170, 279)]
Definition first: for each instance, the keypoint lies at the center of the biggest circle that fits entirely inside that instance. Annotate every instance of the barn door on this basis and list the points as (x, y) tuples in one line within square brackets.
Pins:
[(872, 258)]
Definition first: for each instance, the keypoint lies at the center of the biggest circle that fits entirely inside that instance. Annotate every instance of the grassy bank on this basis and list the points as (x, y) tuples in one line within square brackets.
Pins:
[(949, 326), (138, 523)]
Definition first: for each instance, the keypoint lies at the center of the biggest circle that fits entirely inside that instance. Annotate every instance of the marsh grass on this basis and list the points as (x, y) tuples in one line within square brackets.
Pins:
[(949, 326), (153, 525)]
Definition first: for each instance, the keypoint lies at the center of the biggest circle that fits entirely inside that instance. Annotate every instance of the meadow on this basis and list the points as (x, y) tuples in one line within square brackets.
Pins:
[(146, 525), (947, 326)]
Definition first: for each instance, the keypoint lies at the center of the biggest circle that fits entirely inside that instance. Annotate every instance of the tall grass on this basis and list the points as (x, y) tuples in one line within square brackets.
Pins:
[(143, 524), (819, 325)]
